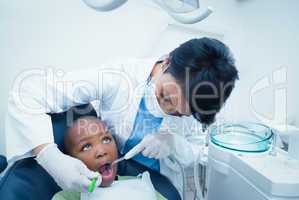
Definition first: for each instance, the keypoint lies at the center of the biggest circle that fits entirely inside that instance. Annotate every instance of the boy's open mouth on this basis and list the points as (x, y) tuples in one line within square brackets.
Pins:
[(107, 172), (106, 169)]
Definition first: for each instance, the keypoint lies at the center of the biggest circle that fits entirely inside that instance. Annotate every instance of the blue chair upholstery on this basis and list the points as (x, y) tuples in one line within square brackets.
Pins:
[(3, 163), (28, 180)]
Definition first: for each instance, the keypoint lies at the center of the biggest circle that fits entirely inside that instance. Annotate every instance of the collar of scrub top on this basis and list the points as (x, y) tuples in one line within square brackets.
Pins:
[(184, 17), (160, 60)]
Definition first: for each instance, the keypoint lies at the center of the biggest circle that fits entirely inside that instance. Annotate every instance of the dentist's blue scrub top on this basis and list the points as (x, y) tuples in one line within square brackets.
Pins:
[(145, 123)]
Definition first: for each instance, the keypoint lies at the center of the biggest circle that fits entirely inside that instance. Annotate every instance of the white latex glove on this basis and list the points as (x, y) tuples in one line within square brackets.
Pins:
[(68, 172), (156, 146)]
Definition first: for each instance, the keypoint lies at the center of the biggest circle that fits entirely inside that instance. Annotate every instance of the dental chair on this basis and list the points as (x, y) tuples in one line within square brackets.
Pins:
[(3, 163), (26, 179)]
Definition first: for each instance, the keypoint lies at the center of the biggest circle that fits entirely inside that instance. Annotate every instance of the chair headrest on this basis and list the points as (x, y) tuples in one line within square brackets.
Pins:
[(3, 163), (61, 121)]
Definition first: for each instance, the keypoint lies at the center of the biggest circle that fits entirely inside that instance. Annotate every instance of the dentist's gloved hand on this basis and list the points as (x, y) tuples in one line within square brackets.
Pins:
[(158, 146), (68, 172)]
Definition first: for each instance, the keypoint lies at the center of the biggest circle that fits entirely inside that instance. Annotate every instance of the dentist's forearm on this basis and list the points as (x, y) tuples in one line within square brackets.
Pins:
[(37, 149)]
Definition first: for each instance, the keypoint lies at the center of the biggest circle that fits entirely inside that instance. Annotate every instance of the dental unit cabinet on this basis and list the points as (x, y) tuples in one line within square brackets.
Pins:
[(247, 169)]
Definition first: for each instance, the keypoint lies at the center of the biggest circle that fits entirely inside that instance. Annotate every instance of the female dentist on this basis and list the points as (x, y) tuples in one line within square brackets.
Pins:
[(140, 98)]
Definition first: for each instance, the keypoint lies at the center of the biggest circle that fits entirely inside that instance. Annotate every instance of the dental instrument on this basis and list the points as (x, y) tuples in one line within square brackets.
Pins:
[(133, 152)]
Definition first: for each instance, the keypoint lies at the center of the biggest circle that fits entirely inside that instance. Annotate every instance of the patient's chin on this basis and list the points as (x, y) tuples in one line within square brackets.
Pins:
[(106, 183)]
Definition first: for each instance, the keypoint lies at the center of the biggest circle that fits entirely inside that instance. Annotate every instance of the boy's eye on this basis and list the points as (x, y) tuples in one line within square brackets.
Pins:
[(86, 147), (167, 99), (107, 140)]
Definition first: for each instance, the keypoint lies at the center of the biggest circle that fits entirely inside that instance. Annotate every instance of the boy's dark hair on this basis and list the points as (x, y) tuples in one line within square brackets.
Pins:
[(205, 68)]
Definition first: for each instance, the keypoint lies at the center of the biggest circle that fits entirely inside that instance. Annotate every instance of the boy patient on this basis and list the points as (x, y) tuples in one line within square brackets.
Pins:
[(89, 140)]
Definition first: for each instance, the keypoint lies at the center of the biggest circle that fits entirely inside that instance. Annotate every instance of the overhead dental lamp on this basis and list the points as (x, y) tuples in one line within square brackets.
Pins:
[(183, 11), (104, 5)]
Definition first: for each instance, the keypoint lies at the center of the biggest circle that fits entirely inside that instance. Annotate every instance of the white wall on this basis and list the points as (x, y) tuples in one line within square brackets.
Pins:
[(67, 34), (263, 36)]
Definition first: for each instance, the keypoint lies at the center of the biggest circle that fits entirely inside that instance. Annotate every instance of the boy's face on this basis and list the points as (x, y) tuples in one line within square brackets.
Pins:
[(90, 141)]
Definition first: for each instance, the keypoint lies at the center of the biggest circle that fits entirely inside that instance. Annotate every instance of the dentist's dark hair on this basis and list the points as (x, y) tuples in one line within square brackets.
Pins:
[(205, 68)]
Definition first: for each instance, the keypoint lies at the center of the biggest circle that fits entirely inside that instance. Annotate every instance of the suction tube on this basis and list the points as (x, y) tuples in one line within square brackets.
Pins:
[(199, 188), (186, 18), (173, 159)]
